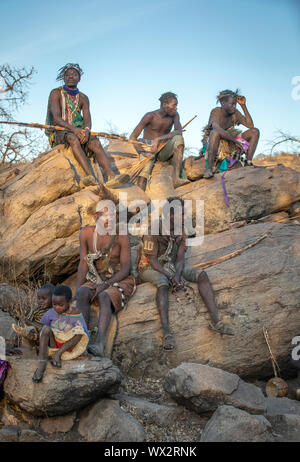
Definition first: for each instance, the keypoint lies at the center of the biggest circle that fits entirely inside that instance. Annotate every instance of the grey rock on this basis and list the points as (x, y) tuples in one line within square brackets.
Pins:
[(280, 406), (106, 421), (286, 427), (59, 424), (9, 433), (31, 436), (229, 424), (9, 296), (204, 388), (152, 413), (6, 331), (75, 385)]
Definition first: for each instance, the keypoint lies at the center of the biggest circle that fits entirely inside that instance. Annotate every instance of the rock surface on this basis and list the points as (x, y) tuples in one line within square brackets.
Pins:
[(76, 384), (106, 421), (60, 424), (281, 406), (7, 334), (260, 287), (229, 424), (204, 388)]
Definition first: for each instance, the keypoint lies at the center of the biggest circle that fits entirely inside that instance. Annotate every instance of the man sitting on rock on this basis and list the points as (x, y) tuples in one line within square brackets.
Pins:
[(157, 127), (64, 334), (69, 108), (103, 272), (165, 268), (222, 121)]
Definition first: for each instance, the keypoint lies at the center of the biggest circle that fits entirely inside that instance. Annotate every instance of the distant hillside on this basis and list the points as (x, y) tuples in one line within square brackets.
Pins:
[(288, 160)]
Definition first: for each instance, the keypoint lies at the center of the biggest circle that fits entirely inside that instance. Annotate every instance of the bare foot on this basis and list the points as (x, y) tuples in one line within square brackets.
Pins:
[(56, 360), (39, 373), (96, 349), (208, 173), (180, 182), (221, 328)]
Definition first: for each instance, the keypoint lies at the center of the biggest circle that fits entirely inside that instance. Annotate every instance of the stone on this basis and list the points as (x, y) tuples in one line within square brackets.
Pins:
[(31, 436), (151, 413), (260, 287), (105, 421), (62, 391), (6, 331), (10, 433), (281, 406), (194, 167), (252, 193), (286, 427), (60, 424), (9, 296), (229, 424), (203, 388)]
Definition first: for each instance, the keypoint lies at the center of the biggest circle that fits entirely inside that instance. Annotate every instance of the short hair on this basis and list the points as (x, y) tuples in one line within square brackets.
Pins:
[(166, 97), (224, 95), (49, 287), (64, 291)]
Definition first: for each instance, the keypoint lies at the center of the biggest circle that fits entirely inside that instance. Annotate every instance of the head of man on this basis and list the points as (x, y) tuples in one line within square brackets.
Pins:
[(173, 212), (61, 299), (70, 74), (228, 100), (44, 296), (105, 217), (169, 103)]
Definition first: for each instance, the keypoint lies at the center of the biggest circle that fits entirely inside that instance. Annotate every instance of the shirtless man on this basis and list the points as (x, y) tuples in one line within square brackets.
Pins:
[(103, 273), (157, 127), (69, 108), (220, 120), (165, 268)]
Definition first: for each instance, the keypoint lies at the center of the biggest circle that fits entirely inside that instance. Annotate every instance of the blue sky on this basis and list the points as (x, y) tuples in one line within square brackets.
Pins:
[(133, 51)]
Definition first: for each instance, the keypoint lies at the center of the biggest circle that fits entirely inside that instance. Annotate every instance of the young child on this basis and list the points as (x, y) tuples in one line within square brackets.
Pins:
[(32, 330), (64, 334)]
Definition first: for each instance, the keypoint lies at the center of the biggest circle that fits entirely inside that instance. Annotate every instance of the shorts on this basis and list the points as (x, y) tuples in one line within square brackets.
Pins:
[(158, 279), (164, 155), (128, 286)]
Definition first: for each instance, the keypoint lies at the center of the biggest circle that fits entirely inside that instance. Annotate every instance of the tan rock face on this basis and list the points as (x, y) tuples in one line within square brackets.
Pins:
[(260, 287)]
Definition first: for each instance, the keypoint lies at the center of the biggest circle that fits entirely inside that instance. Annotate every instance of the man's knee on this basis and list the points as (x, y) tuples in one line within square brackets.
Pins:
[(255, 131), (202, 277), (83, 294), (178, 141), (72, 140), (104, 298), (214, 135), (94, 142)]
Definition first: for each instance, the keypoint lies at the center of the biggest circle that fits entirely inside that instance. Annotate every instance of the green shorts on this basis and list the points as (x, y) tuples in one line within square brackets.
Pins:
[(158, 279)]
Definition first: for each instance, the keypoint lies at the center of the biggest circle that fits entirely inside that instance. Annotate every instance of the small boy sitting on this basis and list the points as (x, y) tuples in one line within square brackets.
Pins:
[(64, 334)]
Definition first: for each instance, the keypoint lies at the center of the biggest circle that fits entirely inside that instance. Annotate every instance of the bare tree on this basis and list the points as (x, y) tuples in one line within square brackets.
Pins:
[(283, 137), (15, 145)]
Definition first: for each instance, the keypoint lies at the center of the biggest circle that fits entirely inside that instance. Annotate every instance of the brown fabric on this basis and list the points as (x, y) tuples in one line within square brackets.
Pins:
[(128, 286)]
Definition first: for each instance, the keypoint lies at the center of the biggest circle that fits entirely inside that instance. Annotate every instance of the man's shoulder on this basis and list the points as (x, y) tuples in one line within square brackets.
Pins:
[(87, 230), (83, 96), (56, 91)]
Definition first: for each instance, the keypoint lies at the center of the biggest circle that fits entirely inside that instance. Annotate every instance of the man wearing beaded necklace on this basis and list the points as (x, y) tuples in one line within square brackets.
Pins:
[(69, 108)]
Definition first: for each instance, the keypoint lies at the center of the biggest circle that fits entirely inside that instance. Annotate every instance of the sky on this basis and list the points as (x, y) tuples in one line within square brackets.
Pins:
[(132, 52)]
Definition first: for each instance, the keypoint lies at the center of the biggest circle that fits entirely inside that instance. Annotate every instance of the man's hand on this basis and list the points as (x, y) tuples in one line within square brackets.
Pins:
[(175, 280), (241, 100), (154, 145), (100, 288), (80, 133), (85, 136)]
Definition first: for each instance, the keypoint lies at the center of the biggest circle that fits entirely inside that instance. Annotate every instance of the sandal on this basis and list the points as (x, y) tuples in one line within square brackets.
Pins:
[(221, 328), (169, 342)]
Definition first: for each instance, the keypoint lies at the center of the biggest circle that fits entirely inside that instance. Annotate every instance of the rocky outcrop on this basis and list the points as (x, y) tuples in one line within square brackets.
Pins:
[(229, 424), (260, 287), (106, 421), (75, 385), (204, 388)]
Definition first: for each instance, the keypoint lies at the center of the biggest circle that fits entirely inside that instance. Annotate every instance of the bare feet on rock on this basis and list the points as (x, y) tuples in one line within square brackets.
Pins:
[(39, 373), (208, 173)]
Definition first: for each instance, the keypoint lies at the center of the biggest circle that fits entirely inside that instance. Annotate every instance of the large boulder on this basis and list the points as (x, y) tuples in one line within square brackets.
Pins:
[(106, 421), (76, 384), (259, 288), (7, 334), (252, 193), (204, 388), (229, 424)]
